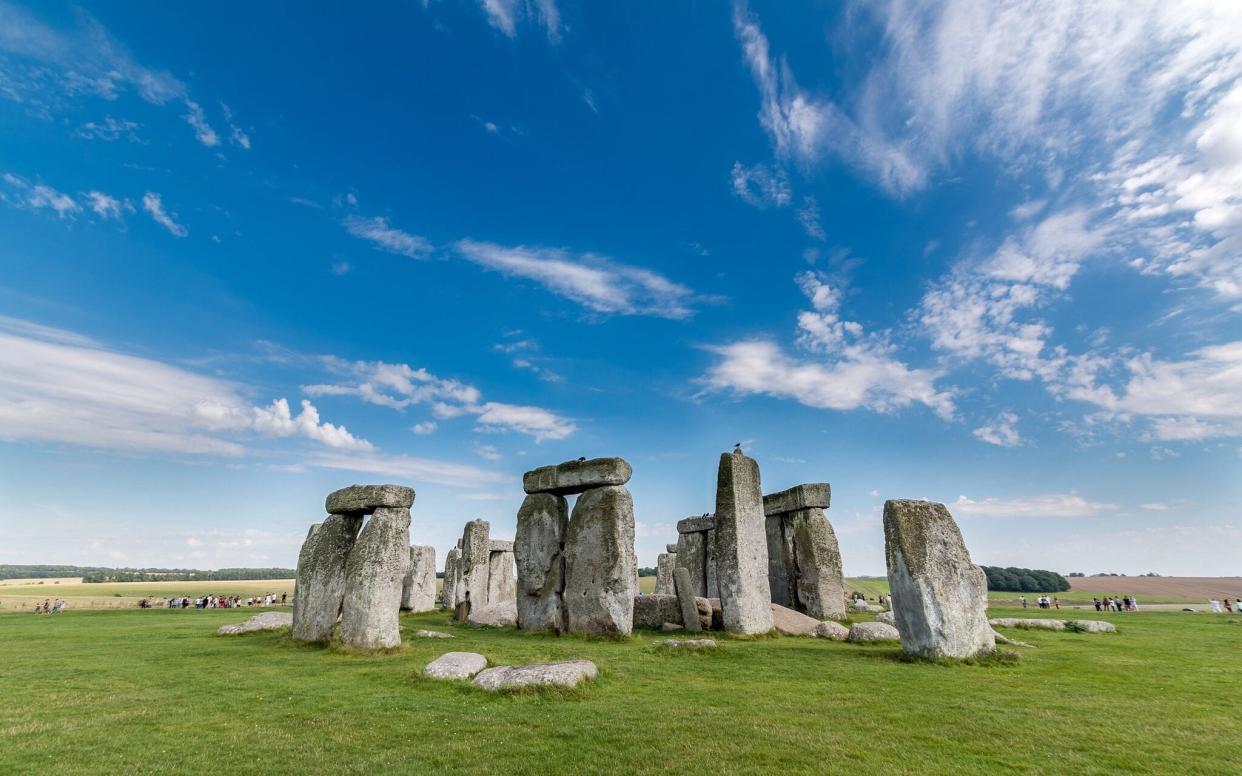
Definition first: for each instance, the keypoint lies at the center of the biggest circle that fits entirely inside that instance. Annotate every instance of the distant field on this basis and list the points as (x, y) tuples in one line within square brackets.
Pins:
[(123, 595), (1156, 589)]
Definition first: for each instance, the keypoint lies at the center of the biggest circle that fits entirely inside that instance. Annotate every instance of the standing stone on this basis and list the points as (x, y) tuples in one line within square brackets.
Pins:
[(600, 563), (711, 575), (418, 594), (780, 560), (685, 598), (541, 522), (319, 589), (692, 556), (819, 589), (475, 563), (501, 586), (448, 596), (939, 595), (741, 546), (665, 563), (374, 576)]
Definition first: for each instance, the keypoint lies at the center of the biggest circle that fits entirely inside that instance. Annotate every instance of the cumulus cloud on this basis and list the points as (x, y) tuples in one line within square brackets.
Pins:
[(595, 282), (154, 205), (388, 238), (1001, 431), (106, 206), (1053, 505)]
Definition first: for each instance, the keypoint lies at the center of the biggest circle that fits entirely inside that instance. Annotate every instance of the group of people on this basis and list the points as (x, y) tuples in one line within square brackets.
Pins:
[(1229, 607), (214, 602), (49, 607), (1043, 602), (1114, 604)]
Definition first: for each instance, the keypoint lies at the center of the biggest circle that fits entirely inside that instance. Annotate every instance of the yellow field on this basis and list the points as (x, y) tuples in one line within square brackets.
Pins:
[(24, 594)]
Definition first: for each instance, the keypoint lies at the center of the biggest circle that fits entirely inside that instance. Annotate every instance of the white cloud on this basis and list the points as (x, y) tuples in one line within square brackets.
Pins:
[(42, 196), (808, 216), (108, 207), (1001, 431), (488, 452), (59, 387), (856, 370), (425, 428), (110, 130), (760, 185), (595, 282), (535, 421), (411, 469), (1155, 506), (198, 120), (388, 238), (1053, 505), (154, 205), (237, 136), (504, 15)]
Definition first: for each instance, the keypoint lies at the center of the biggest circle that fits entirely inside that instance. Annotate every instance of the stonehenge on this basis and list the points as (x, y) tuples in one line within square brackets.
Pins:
[(478, 572), (696, 552), (577, 571), (418, 594), (741, 546), (939, 595), (354, 572), (804, 561), (665, 563)]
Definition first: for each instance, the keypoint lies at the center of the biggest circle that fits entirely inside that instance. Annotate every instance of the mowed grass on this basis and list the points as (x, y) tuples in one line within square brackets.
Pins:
[(157, 691)]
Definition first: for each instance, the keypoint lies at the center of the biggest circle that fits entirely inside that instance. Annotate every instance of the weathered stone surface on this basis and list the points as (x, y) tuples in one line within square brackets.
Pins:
[(368, 498), (872, 631), (939, 595), (665, 563), (418, 591), (1094, 626), (452, 571), (709, 564), (600, 563), (374, 574), (704, 607), (567, 674), (831, 630), (819, 588), (475, 563), (430, 634), (501, 584), (577, 476), (781, 569), (653, 611), (691, 644), (671, 549), (320, 587), (815, 495), (692, 556), (687, 602), (696, 524), (792, 623), (541, 522), (1003, 639), (502, 614), (1028, 624), (455, 665), (888, 618), (741, 546), (265, 621), (863, 606), (500, 545)]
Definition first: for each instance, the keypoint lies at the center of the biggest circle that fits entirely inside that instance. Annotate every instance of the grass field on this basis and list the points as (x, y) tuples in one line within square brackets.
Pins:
[(157, 691), (125, 595)]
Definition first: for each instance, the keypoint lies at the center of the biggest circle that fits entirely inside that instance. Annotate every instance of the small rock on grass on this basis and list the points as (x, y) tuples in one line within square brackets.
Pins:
[(430, 634), (831, 630), (567, 674), (455, 665), (872, 631), (690, 643), (265, 621)]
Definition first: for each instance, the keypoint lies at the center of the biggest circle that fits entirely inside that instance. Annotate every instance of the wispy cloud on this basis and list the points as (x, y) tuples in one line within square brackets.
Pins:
[(1053, 505), (1001, 431), (110, 130), (388, 238), (760, 185), (505, 15), (411, 469), (154, 205)]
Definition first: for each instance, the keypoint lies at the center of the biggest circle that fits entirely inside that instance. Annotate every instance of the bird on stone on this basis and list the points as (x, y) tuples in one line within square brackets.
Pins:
[(737, 448), (583, 458)]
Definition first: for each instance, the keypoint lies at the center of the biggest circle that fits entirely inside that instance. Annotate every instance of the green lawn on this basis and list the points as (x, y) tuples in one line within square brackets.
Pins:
[(156, 691)]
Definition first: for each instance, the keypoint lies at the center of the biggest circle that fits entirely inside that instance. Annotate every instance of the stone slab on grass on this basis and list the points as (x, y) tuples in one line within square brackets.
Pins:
[(831, 630), (568, 674), (430, 634), (455, 665), (690, 643), (1028, 623), (265, 621), (792, 623), (498, 615), (872, 631)]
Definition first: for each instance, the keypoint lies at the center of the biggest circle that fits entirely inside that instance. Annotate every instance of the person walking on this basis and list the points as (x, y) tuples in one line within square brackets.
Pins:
[(1022, 598)]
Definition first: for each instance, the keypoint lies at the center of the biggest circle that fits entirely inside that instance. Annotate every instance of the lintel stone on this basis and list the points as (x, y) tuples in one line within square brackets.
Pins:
[(696, 524), (368, 498), (500, 545), (571, 477), (808, 496)]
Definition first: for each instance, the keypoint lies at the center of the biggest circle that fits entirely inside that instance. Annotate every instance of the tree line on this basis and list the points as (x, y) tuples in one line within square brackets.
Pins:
[(1016, 580), (107, 574)]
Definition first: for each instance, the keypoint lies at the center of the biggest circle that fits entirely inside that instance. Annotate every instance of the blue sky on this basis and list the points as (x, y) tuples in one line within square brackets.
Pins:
[(982, 253)]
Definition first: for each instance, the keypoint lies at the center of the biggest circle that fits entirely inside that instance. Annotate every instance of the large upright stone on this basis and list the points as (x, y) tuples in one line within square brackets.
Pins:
[(418, 593), (685, 600), (541, 522), (475, 563), (452, 563), (501, 586), (665, 563), (320, 586), (819, 589), (939, 595), (782, 573), (741, 547), (577, 476), (692, 556), (600, 563), (368, 498), (374, 576)]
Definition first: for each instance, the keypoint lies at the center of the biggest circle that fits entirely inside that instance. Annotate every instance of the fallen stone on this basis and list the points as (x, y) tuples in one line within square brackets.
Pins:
[(600, 563), (831, 630), (888, 618), (1003, 639), (670, 626), (577, 476), (455, 665), (812, 495), (696, 524), (1028, 624), (430, 634), (368, 498), (567, 674), (872, 631), (496, 615), (741, 548), (319, 590), (690, 643), (665, 563), (541, 522), (652, 611), (862, 606), (687, 601), (265, 621), (1094, 626), (418, 590), (374, 577), (792, 623), (939, 595)]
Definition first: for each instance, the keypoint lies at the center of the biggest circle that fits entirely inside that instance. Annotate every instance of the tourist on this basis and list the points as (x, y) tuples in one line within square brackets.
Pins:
[(1056, 602), (1022, 598), (1215, 606), (1228, 607)]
